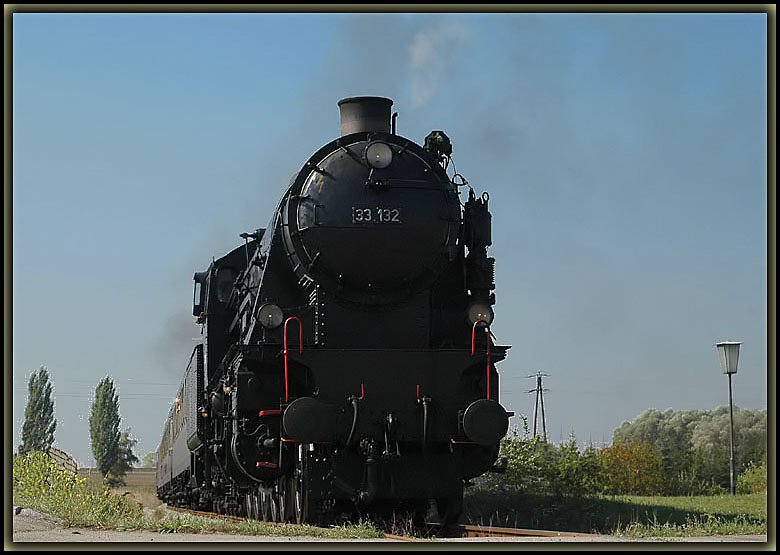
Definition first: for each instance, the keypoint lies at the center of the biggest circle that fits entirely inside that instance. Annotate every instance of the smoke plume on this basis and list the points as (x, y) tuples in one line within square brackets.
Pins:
[(432, 54)]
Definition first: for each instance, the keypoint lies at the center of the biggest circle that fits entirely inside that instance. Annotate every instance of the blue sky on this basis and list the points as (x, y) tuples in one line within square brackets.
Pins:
[(625, 156)]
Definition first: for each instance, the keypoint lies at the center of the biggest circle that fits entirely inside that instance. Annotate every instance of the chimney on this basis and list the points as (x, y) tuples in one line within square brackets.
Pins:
[(365, 114)]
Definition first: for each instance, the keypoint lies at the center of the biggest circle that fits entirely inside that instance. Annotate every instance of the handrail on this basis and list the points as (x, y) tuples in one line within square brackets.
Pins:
[(286, 359), (473, 349)]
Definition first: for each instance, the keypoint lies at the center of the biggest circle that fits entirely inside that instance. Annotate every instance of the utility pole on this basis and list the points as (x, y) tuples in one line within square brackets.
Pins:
[(539, 402)]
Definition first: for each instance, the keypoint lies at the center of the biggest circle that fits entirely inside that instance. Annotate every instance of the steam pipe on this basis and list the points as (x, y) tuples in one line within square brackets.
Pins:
[(425, 401), (354, 418), (366, 496)]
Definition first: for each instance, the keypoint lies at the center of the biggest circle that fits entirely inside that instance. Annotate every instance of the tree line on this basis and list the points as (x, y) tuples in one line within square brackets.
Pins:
[(659, 453), (112, 448)]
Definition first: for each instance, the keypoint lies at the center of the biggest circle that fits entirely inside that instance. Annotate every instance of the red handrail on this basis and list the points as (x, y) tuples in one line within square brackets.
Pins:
[(473, 348), (286, 361)]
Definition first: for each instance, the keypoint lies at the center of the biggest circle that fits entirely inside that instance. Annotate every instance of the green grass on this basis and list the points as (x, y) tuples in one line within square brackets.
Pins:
[(621, 515), (41, 485)]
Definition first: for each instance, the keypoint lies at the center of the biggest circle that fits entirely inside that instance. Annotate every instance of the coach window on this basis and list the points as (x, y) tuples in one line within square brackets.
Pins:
[(225, 279)]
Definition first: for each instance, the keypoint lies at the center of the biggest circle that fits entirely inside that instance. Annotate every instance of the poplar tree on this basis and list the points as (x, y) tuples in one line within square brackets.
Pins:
[(39, 421), (104, 426)]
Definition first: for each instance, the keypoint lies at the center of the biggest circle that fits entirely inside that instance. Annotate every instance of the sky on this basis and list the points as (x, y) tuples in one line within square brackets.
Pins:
[(625, 156)]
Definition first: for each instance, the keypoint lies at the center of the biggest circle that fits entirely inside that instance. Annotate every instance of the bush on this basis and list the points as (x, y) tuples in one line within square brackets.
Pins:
[(537, 466), (753, 480), (41, 484), (632, 467), (533, 463)]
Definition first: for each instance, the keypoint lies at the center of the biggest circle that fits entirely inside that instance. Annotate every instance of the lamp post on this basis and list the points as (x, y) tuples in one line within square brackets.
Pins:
[(728, 351)]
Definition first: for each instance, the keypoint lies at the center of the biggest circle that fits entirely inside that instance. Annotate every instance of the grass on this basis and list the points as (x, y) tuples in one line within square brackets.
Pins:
[(621, 515), (164, 521), (40, 484)]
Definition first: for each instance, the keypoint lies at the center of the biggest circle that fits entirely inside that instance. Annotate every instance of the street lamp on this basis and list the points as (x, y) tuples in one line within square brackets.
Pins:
[(728, 351)]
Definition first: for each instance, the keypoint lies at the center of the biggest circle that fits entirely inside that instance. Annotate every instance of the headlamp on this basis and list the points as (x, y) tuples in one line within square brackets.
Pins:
[(480, 311), (378, 154)]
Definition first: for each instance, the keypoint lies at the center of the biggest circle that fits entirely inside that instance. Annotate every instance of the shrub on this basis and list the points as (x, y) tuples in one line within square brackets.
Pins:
[(41, 484), (632, 467), (753, 480), (533, 463)]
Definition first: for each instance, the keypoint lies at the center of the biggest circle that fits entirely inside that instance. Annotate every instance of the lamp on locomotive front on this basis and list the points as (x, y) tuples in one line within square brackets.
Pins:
[(728, 352)]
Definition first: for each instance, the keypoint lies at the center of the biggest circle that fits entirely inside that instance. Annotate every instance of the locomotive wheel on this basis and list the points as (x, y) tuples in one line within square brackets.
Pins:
[(284, 499), (276, 513), (303, 513), (256, 505), (299, 513), (265, 505), (253, 506)]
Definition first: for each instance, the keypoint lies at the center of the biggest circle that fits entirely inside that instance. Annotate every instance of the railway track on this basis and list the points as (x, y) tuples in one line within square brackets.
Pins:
[(474, 531), (456, 531)]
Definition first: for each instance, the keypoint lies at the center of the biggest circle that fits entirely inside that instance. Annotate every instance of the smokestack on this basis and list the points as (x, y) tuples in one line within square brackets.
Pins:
[(365, 114)]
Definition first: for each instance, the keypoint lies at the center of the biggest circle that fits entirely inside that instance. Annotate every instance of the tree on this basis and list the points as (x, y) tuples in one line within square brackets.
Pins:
[(694, 444), (578, 472), (104, 426), (125, 458), (149, 460), (39, 421)]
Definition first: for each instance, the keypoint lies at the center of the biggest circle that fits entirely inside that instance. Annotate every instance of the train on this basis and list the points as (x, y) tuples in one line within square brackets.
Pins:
[(346, 364)]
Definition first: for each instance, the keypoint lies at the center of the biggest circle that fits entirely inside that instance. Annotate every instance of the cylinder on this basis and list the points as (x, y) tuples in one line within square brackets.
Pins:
[(360, 114)]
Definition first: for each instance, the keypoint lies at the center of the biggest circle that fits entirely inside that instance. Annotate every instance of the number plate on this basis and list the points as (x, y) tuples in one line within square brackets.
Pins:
[(378, 215)]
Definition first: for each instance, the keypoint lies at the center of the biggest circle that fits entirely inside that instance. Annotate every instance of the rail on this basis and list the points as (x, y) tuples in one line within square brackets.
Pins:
[(434, 530), (475, 531)]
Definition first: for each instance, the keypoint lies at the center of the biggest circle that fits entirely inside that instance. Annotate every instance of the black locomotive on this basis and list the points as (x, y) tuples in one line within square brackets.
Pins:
[(347, 362)]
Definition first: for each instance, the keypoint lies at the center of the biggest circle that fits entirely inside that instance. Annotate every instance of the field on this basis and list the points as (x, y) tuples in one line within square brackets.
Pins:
[(621, 515), (135, 477)]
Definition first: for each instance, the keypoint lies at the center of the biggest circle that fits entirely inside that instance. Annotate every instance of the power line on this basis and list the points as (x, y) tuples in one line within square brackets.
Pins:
[(539, 400)]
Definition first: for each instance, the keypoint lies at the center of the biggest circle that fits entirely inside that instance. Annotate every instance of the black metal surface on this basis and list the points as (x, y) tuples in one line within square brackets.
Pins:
[(485, 422), (307, 420), (371, 236)]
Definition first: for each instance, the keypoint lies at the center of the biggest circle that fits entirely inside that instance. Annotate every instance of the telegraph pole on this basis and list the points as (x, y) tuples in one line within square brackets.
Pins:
[(539, 402)]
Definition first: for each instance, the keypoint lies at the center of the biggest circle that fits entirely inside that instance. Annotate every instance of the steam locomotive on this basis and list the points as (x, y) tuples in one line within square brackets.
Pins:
[(346, 364)]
